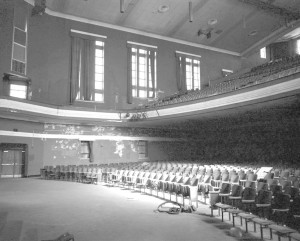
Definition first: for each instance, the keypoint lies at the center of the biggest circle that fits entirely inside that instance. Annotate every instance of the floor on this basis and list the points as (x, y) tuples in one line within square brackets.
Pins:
[(32, 209)]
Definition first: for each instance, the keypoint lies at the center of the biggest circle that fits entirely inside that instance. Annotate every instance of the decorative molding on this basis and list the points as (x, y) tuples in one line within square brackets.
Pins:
[(87, 33), (194, 55), (144, 45), (135, 31), (272, 90), (268, 91), (56, 111), (85, 137)]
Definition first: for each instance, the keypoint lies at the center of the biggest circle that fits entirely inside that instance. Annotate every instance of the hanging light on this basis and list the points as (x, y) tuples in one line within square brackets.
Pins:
[(122, 9), (190, 11)]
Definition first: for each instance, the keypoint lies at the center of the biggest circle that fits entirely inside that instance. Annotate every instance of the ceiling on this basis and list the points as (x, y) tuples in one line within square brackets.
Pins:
[(234, 25)]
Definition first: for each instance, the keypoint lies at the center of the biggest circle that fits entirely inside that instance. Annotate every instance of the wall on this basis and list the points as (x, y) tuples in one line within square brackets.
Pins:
[(6, 30), (255, 59), (57, 151), (66, 152), (49, 53)]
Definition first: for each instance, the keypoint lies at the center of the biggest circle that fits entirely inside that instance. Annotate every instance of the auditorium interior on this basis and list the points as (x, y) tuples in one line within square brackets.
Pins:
[(149, 120)]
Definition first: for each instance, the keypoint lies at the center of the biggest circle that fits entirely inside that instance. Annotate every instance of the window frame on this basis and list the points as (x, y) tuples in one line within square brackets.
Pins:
[(99, 91), (14, 44), (263, 53), (142, 149), (93, 37), (298, 46), (12, 79), (136, 86), (193, 74), (89, 154)]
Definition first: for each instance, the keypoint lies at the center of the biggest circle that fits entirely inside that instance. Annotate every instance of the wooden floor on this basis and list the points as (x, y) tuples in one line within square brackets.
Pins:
[(32, 209)]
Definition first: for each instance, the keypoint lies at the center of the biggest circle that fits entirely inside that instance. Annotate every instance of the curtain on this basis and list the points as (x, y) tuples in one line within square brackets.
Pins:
[(88, 70), (152, 70), (91, 151), (76, 48), (82, 69), (180, 73), (129, 77)]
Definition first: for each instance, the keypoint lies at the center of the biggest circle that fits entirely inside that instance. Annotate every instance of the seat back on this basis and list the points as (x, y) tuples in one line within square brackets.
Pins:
[(236, 190), (249, 193), (264, 197)]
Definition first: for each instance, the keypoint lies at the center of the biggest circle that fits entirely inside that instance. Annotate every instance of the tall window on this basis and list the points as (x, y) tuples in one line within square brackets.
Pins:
[(192, 74), (298, 47), (99, 71), (19, 51), (143, 149), (142, 72), (188, 71), (87, 67)]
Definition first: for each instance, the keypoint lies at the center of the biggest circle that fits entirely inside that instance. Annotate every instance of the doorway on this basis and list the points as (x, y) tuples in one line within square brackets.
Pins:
[(12, 160)]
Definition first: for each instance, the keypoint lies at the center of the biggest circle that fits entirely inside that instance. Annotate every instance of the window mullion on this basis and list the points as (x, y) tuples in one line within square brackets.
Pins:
[(147, 75), (137, 73), (193, 77)]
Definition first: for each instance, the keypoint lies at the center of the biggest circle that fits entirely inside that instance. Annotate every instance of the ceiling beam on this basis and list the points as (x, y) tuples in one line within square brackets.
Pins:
[(130, 6), (186, 18), (272, 9)]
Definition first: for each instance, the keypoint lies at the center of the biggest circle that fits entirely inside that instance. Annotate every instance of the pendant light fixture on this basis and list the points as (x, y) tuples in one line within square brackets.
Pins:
[(190, 11), (122, 9)]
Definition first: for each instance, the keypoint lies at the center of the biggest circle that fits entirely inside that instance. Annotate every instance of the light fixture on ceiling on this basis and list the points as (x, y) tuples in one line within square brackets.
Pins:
[(190, 11), (212, 21), (205, 32), (163, 8), (252, 33), (122, 7)]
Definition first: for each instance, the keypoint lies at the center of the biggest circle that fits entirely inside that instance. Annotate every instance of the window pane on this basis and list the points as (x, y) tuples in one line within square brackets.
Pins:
[(18, 87), (263, 53), (99, 69), (142, 51), (19, 53), (99, 77), (134, 93), (99, 43), (142, 75), (99, 85), (18, 91), (99, 61), (134, 82), (99, 53), (142, 93), (142, 60), (99, 97)]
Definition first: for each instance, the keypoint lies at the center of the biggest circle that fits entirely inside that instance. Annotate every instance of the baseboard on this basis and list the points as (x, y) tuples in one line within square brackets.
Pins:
[(33, 175)]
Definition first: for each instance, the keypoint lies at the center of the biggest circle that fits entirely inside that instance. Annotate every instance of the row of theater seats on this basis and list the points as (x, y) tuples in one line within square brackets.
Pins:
[(260, 74), (233, 189), (82, 173)]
